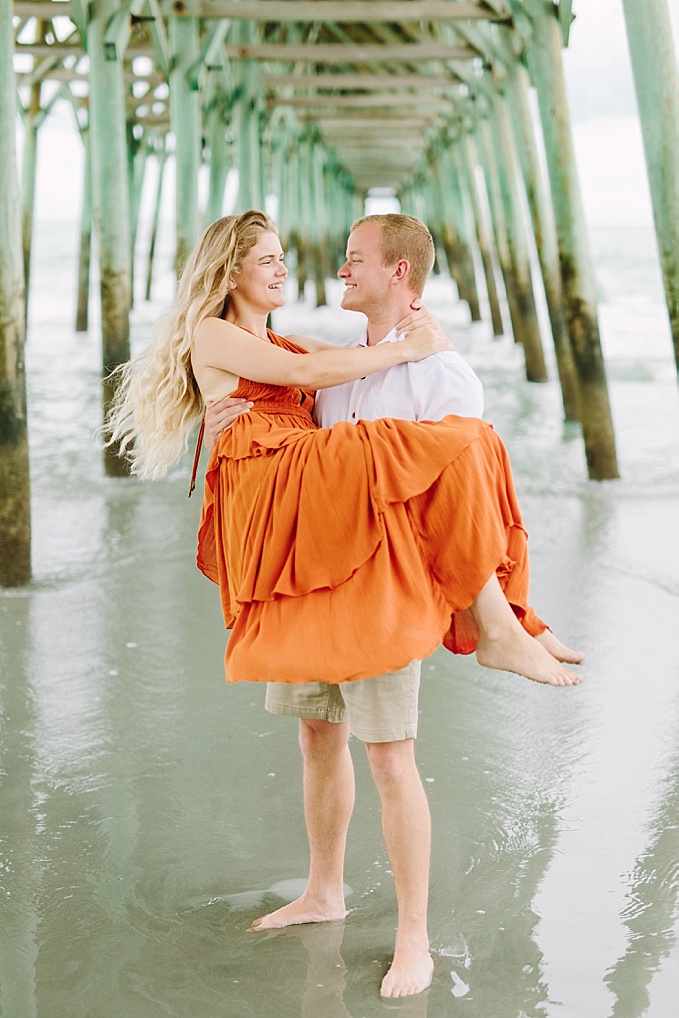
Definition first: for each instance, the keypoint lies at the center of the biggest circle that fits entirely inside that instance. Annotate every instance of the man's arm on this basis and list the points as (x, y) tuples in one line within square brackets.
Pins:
[(220, 415)]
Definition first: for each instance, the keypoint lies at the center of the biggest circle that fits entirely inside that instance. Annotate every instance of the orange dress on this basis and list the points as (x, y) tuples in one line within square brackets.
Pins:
[(346, 552)]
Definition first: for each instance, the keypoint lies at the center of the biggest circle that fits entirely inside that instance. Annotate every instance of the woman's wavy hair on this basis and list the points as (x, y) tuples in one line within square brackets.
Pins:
[(157, 401)]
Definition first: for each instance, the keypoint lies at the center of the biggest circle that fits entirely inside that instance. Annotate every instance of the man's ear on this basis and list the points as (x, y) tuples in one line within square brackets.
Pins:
[(401, 269)]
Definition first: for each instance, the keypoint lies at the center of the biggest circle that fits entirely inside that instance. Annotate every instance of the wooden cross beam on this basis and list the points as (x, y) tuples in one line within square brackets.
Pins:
[(360, 81), (342, 11), (350, 53)]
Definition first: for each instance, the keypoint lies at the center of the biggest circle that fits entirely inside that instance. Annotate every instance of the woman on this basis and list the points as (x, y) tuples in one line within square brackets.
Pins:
[(340, 553)]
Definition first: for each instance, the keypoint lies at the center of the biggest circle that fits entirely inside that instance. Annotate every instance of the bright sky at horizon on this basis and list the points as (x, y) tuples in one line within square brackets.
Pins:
[(606, 129)]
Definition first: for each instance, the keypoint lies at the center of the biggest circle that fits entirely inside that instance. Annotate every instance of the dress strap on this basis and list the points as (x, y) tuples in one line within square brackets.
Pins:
[(196, 458)]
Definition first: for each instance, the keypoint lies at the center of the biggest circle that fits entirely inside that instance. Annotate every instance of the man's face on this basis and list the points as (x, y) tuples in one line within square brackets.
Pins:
[(366, 280)]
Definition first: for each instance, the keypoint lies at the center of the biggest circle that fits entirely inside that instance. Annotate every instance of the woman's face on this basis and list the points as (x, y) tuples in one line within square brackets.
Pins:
[(259, 284)]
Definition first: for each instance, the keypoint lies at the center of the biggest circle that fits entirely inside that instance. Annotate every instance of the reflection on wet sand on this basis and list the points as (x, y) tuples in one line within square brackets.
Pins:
[(651, 909)]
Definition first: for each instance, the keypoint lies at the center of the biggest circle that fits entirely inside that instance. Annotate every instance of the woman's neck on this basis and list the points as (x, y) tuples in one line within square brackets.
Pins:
[(248, 319)]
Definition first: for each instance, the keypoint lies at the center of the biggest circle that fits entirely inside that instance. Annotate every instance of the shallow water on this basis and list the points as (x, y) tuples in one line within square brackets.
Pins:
[(149, 812)]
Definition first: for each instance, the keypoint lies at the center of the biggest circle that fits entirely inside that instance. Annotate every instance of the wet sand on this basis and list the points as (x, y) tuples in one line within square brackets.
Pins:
[(150, 812)]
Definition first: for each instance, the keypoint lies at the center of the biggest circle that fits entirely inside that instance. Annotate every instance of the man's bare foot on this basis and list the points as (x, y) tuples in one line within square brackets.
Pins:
[(559, 650), (410, 972), (304, 910), (513, 650)]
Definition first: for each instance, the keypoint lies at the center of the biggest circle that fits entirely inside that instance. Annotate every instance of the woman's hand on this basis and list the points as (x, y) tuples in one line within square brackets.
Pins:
[(220, 415), (423, 334)]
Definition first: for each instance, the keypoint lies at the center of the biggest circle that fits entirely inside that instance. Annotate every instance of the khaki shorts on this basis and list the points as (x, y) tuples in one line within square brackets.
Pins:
[(383, 709)]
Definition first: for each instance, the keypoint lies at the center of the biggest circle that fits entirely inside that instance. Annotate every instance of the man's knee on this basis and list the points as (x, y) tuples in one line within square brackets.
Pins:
[(391, 762), (322, 738)]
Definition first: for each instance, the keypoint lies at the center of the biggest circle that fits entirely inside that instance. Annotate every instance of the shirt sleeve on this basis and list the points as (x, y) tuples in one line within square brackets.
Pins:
[(448, 386)]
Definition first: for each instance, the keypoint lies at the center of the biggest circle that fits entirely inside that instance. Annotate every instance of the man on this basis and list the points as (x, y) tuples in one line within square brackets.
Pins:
[(388, 260)]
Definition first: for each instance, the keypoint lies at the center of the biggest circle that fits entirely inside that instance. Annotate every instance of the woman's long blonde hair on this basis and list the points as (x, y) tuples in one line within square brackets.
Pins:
[(157, 401)]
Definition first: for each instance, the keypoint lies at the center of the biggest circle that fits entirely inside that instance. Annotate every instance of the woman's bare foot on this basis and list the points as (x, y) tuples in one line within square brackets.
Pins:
[(511, 649), (303, 910), (559, 650), (410, 972)]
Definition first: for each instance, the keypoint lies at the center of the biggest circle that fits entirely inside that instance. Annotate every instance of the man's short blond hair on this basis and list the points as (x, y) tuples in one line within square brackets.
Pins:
[(404, 237)]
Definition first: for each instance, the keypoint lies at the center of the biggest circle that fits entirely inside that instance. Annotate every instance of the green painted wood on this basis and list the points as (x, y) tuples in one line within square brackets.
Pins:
[(654, 65), (219, 159), (577, 274), (304, 213), (544, 229), (137, 158), (248, 144), (111, 213), (185, 120), (29, 162), (15, 513), (161, 156), (506, 162), (486, 151), (440, 221), (467, 161), (85, 248), (460, 203)]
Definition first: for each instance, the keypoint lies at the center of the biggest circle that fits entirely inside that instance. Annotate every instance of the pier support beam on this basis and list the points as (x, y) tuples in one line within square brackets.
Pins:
[(462, 212), (186, 125), (529, 328), (544, 229), (29, 162), (219, 160), (654, 65), (248, 145), (15, 514), (467, 161), (110, 204), (85, 250), (577, 274), (161, 156)]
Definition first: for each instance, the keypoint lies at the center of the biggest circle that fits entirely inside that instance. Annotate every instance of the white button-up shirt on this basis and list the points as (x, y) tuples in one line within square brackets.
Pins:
[(425, 390)]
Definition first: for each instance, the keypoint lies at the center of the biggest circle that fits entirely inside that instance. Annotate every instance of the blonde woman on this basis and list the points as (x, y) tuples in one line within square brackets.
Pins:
[(345, 552)]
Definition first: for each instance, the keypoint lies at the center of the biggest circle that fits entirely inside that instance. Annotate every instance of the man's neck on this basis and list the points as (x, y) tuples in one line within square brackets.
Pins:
[(381, 323)]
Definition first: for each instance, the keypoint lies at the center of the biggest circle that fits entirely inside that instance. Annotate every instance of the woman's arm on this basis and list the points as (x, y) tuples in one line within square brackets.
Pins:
[(222, 345)]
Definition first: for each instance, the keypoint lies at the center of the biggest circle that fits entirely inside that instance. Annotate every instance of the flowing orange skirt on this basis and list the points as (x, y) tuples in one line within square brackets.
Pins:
[(346, 552)]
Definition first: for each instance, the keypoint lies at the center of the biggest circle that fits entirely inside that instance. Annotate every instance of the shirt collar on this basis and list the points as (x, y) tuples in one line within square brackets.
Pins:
[(390, 337)]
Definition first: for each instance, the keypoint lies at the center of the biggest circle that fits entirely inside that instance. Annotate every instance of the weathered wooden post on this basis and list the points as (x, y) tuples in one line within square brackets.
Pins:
[(486, 152), (654, 65), (85, 249), (544, 229), (110, 194), (29, 161), (161, 156), (466, 160), (219, 160), (440, 221), (15, 509), (248, 146), (529, 328), (577, 275), (461, 208), (137, 155), (318, 220), (185, 119), (302, 218)]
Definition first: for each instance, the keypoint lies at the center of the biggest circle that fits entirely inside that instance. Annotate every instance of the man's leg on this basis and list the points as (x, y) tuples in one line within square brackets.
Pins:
[(328, 804), (384, 716), (406, 825)]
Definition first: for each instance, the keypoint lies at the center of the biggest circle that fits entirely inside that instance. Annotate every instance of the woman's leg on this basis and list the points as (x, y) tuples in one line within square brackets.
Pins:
[(504, 644)]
